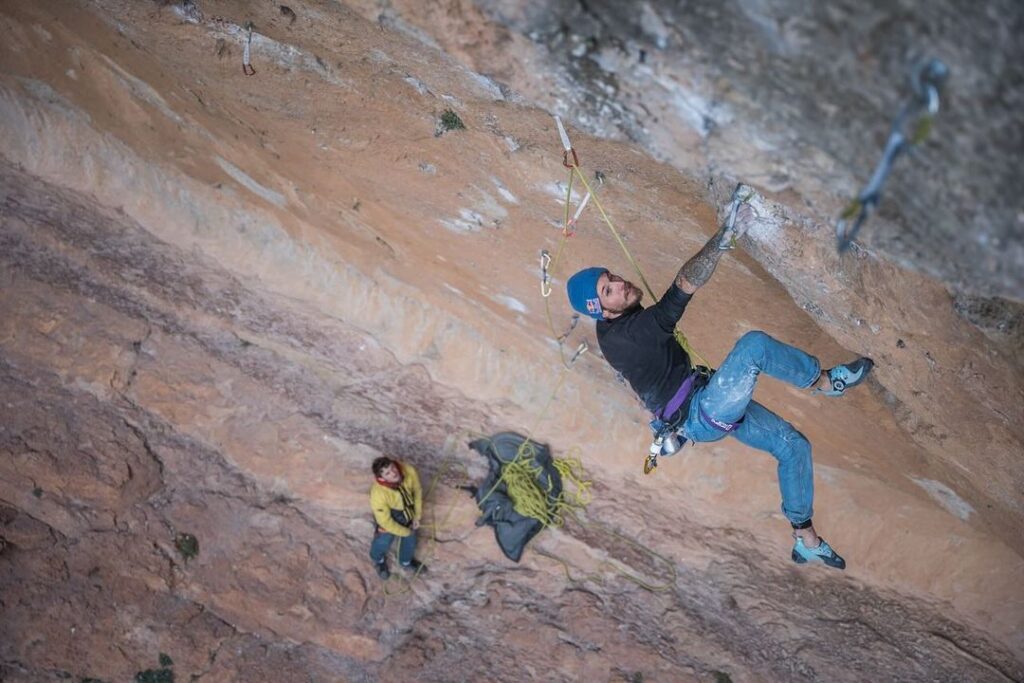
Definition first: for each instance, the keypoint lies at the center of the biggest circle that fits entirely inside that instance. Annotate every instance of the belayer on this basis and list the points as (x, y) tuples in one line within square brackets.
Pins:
[(396, 498), (704, 405)]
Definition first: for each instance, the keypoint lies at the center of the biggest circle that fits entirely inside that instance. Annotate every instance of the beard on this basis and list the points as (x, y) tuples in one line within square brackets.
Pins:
[(634, 291), (633, 298)]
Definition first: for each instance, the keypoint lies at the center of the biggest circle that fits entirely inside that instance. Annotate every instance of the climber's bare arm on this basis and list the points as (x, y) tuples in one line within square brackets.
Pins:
[(698, 269)]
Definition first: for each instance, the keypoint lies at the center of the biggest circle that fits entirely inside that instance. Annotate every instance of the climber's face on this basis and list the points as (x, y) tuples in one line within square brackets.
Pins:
[(391, 474), (617, 295)]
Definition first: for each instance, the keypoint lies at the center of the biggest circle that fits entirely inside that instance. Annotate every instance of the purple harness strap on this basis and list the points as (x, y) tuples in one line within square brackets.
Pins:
[(682, 394), (718, 424)]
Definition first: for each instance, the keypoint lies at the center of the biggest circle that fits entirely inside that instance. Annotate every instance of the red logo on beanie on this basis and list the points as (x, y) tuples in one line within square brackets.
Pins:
[(593, 305)]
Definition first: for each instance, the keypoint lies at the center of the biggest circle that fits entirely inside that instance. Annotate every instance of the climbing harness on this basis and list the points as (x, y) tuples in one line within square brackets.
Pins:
[(566, 147), (719, 424), (667, 426), (911, 126), (247, 68)]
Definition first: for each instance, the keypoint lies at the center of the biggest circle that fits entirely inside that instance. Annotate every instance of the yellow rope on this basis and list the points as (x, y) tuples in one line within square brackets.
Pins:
[(521, 479), (571, 470)]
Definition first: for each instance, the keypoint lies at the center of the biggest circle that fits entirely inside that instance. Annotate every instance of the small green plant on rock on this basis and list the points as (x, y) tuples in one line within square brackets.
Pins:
[(162, 675), (187, 545), (449, 121), (155, 676)]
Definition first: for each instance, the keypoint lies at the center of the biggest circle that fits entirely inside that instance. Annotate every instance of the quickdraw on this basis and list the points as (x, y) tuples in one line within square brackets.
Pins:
[(572, 326), (247, 68), (545, 276), (549, 262), (570, 225), (737, 199), (566, 146), (580, 350), (565, 158), (926, 83)]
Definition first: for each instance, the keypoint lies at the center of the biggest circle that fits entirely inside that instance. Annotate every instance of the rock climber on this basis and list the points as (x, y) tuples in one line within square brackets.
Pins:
[(396, 498), (704, 405)]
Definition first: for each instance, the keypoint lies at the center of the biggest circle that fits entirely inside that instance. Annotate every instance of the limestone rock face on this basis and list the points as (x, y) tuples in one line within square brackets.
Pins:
[(797, 100), (222, 296)]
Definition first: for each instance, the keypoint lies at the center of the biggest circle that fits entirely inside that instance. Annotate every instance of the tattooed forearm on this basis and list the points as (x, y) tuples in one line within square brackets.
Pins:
[(698, 269)]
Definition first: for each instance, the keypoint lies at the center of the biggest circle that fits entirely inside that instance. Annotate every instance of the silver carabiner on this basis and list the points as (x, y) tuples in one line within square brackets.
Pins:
[(545, 277)]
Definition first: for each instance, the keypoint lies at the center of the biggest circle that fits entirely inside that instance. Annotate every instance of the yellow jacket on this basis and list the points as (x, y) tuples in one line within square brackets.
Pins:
[(405, 500)]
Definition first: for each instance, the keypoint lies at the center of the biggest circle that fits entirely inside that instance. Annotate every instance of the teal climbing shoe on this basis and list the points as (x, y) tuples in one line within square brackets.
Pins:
[(823, 554), (842, 377)]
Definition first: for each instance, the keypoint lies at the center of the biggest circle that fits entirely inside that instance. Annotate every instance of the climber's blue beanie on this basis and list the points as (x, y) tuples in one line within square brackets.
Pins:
[(582, 291)]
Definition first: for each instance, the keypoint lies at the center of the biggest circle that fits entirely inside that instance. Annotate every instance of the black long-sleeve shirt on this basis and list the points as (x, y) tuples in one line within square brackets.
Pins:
[(641, 345)]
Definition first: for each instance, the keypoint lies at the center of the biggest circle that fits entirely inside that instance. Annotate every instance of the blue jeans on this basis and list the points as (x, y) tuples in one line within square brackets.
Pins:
[(727, 398), (382, 544)]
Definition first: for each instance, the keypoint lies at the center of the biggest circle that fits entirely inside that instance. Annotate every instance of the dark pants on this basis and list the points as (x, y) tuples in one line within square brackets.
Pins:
[(382, 544)]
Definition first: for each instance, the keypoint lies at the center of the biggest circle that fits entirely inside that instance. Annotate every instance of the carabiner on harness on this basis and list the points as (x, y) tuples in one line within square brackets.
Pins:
[(666, 442), (651, 463)]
